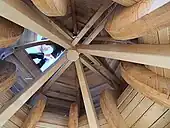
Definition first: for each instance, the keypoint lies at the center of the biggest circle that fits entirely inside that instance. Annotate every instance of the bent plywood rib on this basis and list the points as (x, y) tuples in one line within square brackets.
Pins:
[(9, 32), (147, 82), (7, 75), (52, 7), (126, 2), (140, 18), (110, 110)]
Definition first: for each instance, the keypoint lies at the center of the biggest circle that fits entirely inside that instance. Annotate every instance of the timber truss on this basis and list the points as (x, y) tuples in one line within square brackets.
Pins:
[(33, 20)]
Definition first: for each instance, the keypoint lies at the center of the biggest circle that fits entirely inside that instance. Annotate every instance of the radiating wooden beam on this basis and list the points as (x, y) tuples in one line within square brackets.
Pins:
[(73, 116), (74, 19), (95, 70), (32, 20), (88, 102), (126, 2), (154, 55), (91, 22), (13, 105), (99, 27), (36, 112), (109, 108), (56, 75), (138, 19)]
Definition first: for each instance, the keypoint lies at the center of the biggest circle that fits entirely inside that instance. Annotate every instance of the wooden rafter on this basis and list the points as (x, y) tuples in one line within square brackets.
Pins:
[(74, 19), (154, 55), (32, 20), (91, 22), (8, 110), (126, 2), (36, 112), (89, 106), (87, 64)]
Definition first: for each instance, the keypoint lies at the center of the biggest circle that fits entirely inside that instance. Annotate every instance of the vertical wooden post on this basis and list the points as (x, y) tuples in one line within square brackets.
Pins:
[(88, 102), (36, 112), (73, 116)]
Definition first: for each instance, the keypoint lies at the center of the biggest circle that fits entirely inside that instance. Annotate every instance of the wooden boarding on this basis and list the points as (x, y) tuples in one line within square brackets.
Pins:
[(33, 21), (8, 75), (91, 114), (155, 55), (151, 15), (36, 112), (52, 8), (87, 64), (110, 111), (16, 103), (73, 116), (56, 75), (146, 82)]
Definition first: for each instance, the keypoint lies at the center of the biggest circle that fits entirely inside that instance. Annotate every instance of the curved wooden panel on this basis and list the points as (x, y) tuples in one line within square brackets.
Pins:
[(110, 110), (147, 82), (52, 7), (7, 75), (9, 32), (138, 19)]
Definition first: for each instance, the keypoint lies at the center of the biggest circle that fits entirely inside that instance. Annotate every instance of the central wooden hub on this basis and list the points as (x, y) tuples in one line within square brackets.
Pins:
[(72, 55)]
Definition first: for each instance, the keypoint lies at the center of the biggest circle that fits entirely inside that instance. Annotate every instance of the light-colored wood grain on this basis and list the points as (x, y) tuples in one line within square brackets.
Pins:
[(8, 75), (32, 20), (146, 82), (139, 111), (152, 114), (110, 111), (155, 55), (52, 7), (138, 19), (88, 102), (126, 2), (36, 112), (10, 32), (73, 116), (16, 103)]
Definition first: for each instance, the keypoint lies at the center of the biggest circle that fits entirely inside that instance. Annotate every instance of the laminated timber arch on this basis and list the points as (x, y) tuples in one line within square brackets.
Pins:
[(138, 19), (147, 82), (52, 7)]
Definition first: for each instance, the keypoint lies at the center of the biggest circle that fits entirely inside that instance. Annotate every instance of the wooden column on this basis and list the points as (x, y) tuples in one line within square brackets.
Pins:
[(36, 112), (73, 116), (138, 19), (88, 102), (110, 110), (156, 55)]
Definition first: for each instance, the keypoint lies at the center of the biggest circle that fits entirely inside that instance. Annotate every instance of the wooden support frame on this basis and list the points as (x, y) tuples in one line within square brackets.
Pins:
[(89, 106), (9, 109), (87, 64), (32, 20), (96, 16), (36, 112), (154, 55)]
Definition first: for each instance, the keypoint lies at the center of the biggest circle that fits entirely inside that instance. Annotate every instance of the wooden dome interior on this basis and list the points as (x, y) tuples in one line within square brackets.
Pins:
[(120, 76)]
